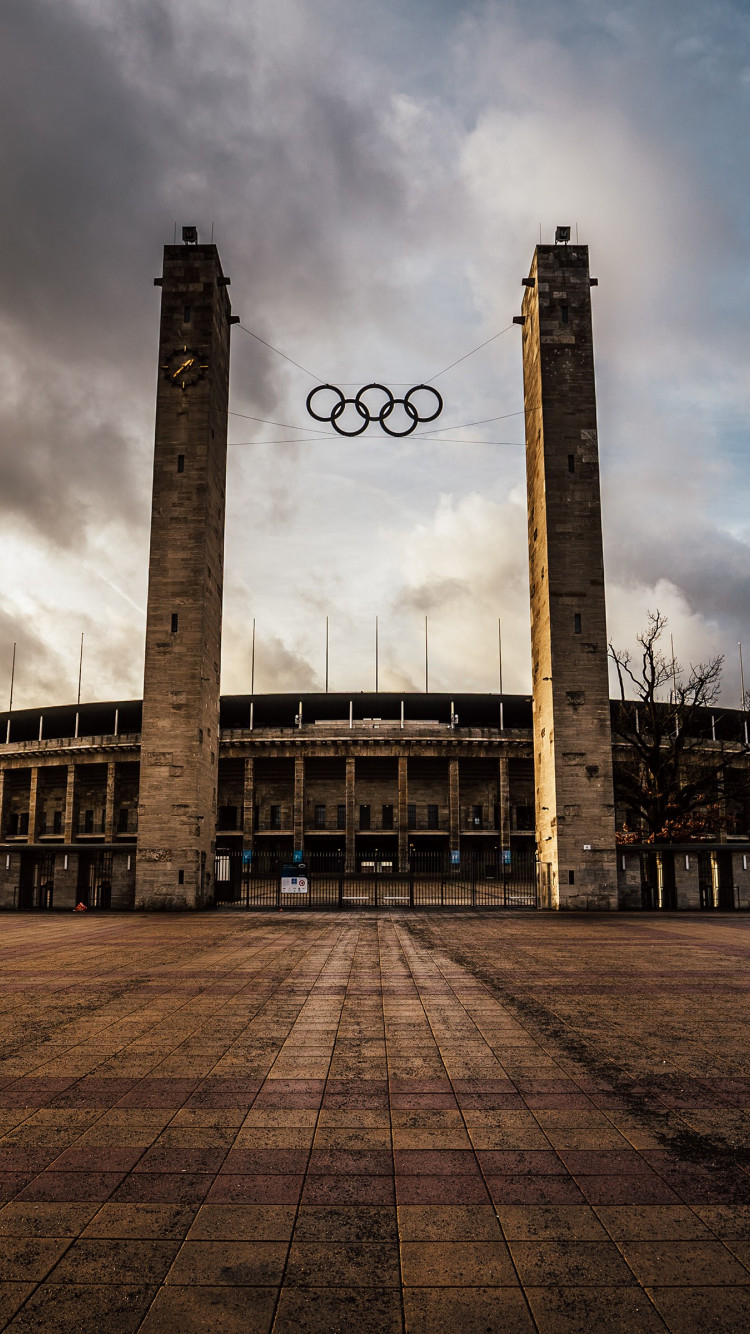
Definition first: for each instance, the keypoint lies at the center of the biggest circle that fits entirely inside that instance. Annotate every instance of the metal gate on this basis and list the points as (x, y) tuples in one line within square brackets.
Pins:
[(37, 881), (431, 881)]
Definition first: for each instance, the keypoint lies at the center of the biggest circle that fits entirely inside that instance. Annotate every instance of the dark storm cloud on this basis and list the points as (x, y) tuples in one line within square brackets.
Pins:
[(122, 117), (432, 594), (279, 668), (709, 566), (37, 669), (64, 463)]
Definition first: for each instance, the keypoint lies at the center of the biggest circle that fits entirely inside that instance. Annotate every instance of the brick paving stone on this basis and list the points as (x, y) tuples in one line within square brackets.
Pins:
[(689, 1309), (220, 1310), (319, 1264), (236, 1263), (23, 1259), (470, 1310), (59, 1308), (367, 1310), (107, 1260), (583, 1310), (42, 1218), (375, 1123), (456, 1264), (683, 1263), (13, 1296)]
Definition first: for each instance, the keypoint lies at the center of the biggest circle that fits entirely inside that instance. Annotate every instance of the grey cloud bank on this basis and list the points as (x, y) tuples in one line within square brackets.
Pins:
[(376, 180)]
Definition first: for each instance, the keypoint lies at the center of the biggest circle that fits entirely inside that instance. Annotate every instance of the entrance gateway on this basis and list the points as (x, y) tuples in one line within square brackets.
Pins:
[(574, 802), (431, 881)]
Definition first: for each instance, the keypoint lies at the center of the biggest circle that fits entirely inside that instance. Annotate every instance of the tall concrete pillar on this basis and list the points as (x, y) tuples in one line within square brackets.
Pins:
[(403, 813), (180, 734), (70, 792), (299, 802), (454, 807), (350, 814), (33, 803), (248, 805), (503, 804), (575, 826), (109, 804)]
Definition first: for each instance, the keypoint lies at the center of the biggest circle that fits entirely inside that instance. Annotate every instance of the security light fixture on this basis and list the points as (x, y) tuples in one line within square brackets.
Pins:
[(190, 235), (562, 235)]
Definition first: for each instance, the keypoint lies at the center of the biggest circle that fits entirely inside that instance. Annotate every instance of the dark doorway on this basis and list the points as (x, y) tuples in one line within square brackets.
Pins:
[(94, 879), (649, 881), (705, 881), (26, 882)]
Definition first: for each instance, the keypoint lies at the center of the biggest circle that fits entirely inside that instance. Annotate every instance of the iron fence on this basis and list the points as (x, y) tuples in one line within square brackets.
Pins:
[(432, 880)]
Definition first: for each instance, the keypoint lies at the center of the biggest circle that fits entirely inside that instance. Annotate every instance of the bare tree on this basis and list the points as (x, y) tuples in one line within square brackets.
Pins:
[(665, 772)]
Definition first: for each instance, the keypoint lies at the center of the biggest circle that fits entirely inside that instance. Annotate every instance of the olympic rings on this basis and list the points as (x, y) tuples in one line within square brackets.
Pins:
[(367, 414)]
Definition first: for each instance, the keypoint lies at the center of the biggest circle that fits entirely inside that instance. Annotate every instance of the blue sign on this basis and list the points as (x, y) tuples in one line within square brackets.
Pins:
[(506, 856), (455, 857), (247, 859), (298, 856)]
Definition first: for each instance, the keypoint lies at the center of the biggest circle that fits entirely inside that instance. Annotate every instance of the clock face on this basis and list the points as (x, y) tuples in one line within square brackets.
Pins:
[(184, 366)]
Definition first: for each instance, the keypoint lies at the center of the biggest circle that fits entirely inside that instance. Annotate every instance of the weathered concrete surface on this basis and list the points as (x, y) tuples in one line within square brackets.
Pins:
[(180, 733), (575, 812), (382, 1123)]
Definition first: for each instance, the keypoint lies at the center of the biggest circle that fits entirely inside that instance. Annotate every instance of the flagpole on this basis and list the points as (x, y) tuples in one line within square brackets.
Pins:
[(426, 661), (500, 666), (326, 655), (376, 655), (742, 691), (252, 663), (12, 679), (80, 669), (674, 688)]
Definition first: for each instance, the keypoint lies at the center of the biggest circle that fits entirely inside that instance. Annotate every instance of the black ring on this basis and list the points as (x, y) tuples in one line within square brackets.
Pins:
[(430, 390), (374, 385), (363, 411), (339, 408), (318, 389), (410, 411)]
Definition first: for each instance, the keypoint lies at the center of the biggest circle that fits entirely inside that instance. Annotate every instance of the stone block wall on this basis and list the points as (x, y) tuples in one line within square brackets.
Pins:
[(571, 710)]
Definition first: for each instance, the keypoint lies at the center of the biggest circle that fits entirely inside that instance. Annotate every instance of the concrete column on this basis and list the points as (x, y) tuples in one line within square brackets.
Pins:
[(69, 803), (8, 879), (33, 803), (722, 804), (109, 805), (248, 805), (350, 825), (629, 879), (454, 807), (686, 879), (575, 821), (180, 729), (504, 803), (741, 874), (299, 802), (403, 803)]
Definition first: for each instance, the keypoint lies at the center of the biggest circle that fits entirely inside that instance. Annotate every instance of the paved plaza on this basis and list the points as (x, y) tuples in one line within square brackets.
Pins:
[(232, 1123)]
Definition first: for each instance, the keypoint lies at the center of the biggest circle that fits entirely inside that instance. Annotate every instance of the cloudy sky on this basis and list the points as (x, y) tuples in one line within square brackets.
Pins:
[(376, 175)]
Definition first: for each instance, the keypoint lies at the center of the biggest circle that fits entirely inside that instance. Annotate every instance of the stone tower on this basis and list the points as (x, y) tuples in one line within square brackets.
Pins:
[(180, 733), (575, 826)]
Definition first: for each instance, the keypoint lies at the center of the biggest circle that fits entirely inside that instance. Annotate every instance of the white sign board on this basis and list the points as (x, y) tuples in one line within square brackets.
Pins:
[(294, 884)]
